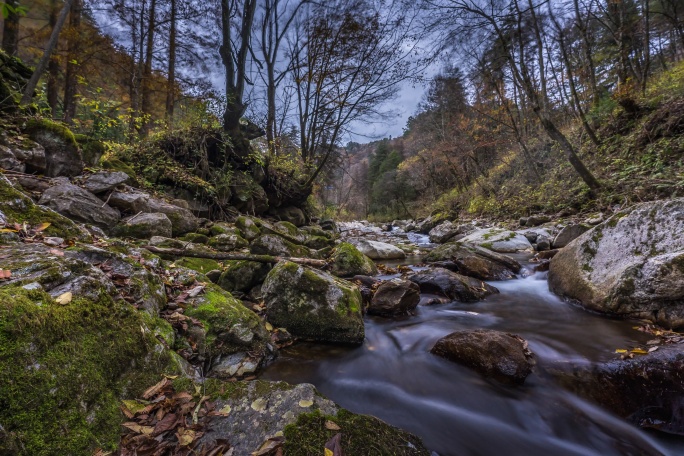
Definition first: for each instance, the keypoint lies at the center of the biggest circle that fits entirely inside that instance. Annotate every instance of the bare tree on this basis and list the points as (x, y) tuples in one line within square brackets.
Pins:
[(72, 68)]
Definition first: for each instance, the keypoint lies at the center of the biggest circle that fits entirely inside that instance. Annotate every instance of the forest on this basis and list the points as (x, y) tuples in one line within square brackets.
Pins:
[(342, 227)]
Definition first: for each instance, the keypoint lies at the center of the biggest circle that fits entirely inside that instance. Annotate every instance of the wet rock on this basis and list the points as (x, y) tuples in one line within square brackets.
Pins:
[(568, 234), (376, 250), (501, 356), (144, 226), (475, 261), (348, 261), (543, 243), (446, 231), (498, 240), (270, 244), (395, 297), (647, 390), (546, 255), (80, 205), (313, 305), (452, 285), (243, 275), (629, 266), (259, 410), (104, 181), (62, 155)]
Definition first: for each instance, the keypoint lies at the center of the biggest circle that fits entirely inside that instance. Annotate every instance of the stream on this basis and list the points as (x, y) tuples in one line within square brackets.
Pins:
[(453, 409)]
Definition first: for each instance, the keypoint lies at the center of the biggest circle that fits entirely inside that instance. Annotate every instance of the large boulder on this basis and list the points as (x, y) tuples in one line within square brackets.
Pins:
[(80, 205), (569, 234), (313, 305), (498, 240), (242, 276), (144, 226), (631, 266), (347, 261), (228, 242), (501, 356), (15, 207), (271, 244), (290, 214), (446, 231), (248, 228), (62, 155), (104, 181), (395, 297), (451, 285), (475, 261), (376, 250), (259, 410), (648, 390)]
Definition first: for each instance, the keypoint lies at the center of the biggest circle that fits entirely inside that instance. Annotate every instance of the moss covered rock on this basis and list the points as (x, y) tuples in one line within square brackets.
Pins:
[(248, 227), (143, 226), (201, 265), (498, 240), (16, 207), (475, 261), (347, 261), (233, 340), (228, 242), (62, 153), (64, 368), (271, 244), (313, 305), (243, 275)]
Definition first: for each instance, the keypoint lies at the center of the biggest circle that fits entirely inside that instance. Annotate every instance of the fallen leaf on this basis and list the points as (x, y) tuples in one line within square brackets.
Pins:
[(153, 390), (64, 298), (331, 426), (333, 447), (225, 411), (135, 427), (185, 436), (639, 351), (5, 274), (43, 226), (269, 446), (652, 349), (268, 326), (620, 350)]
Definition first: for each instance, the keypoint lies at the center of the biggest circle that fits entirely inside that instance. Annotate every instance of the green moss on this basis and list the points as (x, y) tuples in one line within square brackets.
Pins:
[(362, 435), (243, 275), (348, 261), (37, 125), (115, 164), (19, 208), (64, 369), (202, 265)]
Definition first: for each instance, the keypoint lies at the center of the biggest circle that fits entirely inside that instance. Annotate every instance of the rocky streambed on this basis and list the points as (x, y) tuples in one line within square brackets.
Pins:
[(182, 328)]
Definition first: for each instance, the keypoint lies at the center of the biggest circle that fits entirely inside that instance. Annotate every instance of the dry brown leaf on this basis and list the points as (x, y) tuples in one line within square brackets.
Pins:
[(153, 390), (334, 446), (137, 428), (331, 426)]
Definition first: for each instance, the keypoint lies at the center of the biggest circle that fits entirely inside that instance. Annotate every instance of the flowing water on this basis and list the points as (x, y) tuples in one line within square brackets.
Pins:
[(457, 412)]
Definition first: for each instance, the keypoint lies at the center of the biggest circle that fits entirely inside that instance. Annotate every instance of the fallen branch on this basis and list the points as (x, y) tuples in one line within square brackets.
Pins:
[(178, 253)]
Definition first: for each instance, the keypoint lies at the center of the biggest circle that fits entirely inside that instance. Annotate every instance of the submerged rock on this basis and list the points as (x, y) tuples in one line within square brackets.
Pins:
[(395, 297), (376, 250), (501, 356), (452, 285), (475, 261), (313, 305), (631, 266), (348, 261)]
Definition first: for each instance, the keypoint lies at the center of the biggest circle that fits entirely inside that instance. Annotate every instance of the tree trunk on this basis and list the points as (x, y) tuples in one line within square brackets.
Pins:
[(53, 67), (70, 83), (147, 71), (171, 79), (586, 47), (42, 64), (10, 34)]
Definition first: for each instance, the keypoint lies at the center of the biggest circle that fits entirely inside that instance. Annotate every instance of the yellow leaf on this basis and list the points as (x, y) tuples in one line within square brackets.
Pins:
[(187, 437), (329, 452), (620, 350), (8, 230), (269, 326), (43, 226), (135, 427), (133, 406), (639, 351), (64, 298), (225, 411)]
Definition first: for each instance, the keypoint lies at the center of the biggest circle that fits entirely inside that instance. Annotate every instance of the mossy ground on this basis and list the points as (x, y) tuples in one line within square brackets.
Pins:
[(362, 435), (64, 368), (202, 265)]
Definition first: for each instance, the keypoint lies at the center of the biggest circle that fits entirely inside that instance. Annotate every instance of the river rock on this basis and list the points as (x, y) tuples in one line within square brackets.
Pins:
[(426, 225), (271, 244), (475, 261), (348, 261), (395, 297), (144, 226), (647, 390), (498, 240), (312, 304), (494, 354), (248, 228), (448, 230), (629, 266), (376, 250), (104, 181), (228, 242), (80, 205), (543, 243), (259, 410), (569, 234), (243, 275), (451, 285)]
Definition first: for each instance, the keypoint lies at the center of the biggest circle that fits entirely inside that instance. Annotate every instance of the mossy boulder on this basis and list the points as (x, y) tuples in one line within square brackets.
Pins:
[(62, 153), (290, 214), (201, 265), (92, 150), (233, 340), (243, 275), (271, 244), (347, 261), (144, 226), (313, 305), (64, 369), (631, 265), (474, 261), (248, 227), (498, 240), (228, 242), (115, 164), (301, 413), (15, 207), (196, 238)]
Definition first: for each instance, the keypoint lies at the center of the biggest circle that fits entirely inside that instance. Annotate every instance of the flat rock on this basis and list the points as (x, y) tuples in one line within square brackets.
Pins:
[(494, 354), (144, 226), (376, 250), (498, 240), (80, 205), (475, 261), (451, 285), (104, 181)]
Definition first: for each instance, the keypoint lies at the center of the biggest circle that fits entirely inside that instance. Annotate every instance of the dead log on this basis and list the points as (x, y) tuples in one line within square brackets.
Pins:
[(178, 253)]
